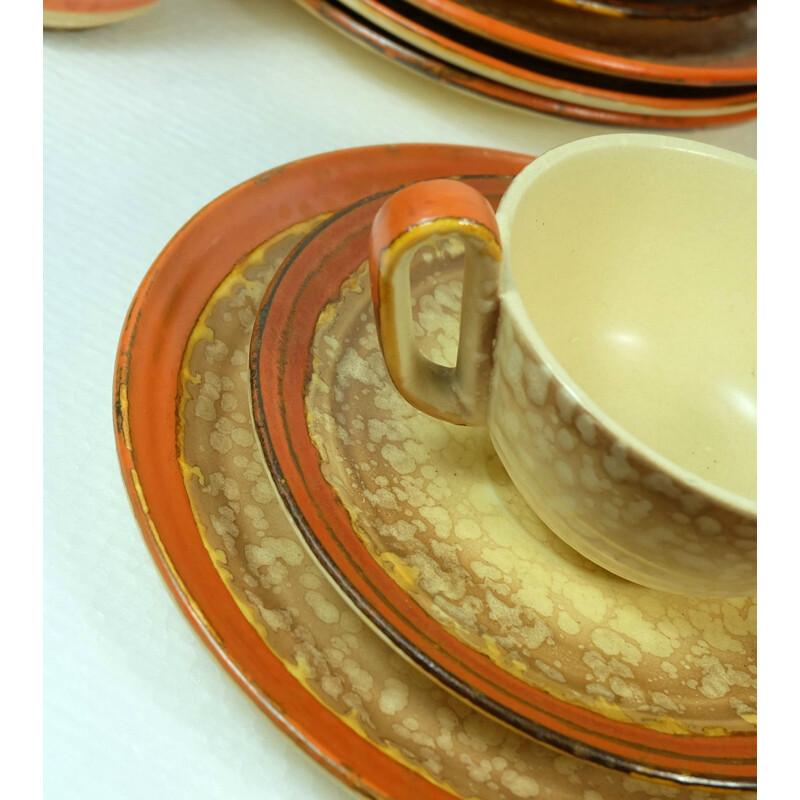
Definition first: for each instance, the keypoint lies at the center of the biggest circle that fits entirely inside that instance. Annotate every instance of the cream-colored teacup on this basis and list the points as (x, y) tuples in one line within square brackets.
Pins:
[(608, 342)]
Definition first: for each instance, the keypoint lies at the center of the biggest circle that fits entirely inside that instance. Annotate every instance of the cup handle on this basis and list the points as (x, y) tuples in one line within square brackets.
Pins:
[(439, 213)]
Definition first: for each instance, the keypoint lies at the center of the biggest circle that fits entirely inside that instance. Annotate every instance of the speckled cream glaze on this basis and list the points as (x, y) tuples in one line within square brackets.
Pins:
[(302, 618), (438, 512), (613, 505)]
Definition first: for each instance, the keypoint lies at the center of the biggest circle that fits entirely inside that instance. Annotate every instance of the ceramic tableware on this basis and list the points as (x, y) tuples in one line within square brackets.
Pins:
[(508, 66), (224, 546), (405, 54), (572, 37), (608, 344), (419, 525), (671, 38), (80, 14)]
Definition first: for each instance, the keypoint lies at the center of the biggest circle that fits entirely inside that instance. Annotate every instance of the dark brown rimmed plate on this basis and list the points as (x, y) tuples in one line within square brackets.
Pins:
[(401, 52), (724, 55), (547, 78)]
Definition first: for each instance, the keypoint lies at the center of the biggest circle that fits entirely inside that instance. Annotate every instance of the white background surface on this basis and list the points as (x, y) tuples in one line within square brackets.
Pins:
[(144, 123)]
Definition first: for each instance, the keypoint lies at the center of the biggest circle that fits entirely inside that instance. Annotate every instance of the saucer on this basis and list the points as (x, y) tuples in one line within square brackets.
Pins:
[(199, 488), (404, 53), (420, 527)]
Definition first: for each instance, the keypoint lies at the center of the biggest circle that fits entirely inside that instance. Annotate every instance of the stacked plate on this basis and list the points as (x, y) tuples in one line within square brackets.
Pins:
[(369, 574), (624, 62)]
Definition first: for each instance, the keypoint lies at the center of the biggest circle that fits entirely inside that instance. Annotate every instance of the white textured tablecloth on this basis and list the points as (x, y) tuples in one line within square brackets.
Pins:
[(145, 122)]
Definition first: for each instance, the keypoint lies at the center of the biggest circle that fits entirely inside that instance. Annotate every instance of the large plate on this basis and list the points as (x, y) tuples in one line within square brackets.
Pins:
[(229, 555)]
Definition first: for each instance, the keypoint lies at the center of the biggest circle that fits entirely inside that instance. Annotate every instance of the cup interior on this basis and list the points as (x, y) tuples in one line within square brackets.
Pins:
[(635, 262)]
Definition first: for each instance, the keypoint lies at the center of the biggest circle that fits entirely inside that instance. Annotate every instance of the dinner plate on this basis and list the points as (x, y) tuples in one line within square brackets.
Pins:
[(364, 32), (229, 555), (420, 527)]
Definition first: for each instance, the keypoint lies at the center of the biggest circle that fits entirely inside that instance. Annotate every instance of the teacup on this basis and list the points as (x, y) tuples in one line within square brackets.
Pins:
[(608, 342)]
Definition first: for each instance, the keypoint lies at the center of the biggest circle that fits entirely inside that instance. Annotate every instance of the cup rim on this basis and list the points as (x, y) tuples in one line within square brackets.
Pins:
[(511, 301)]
